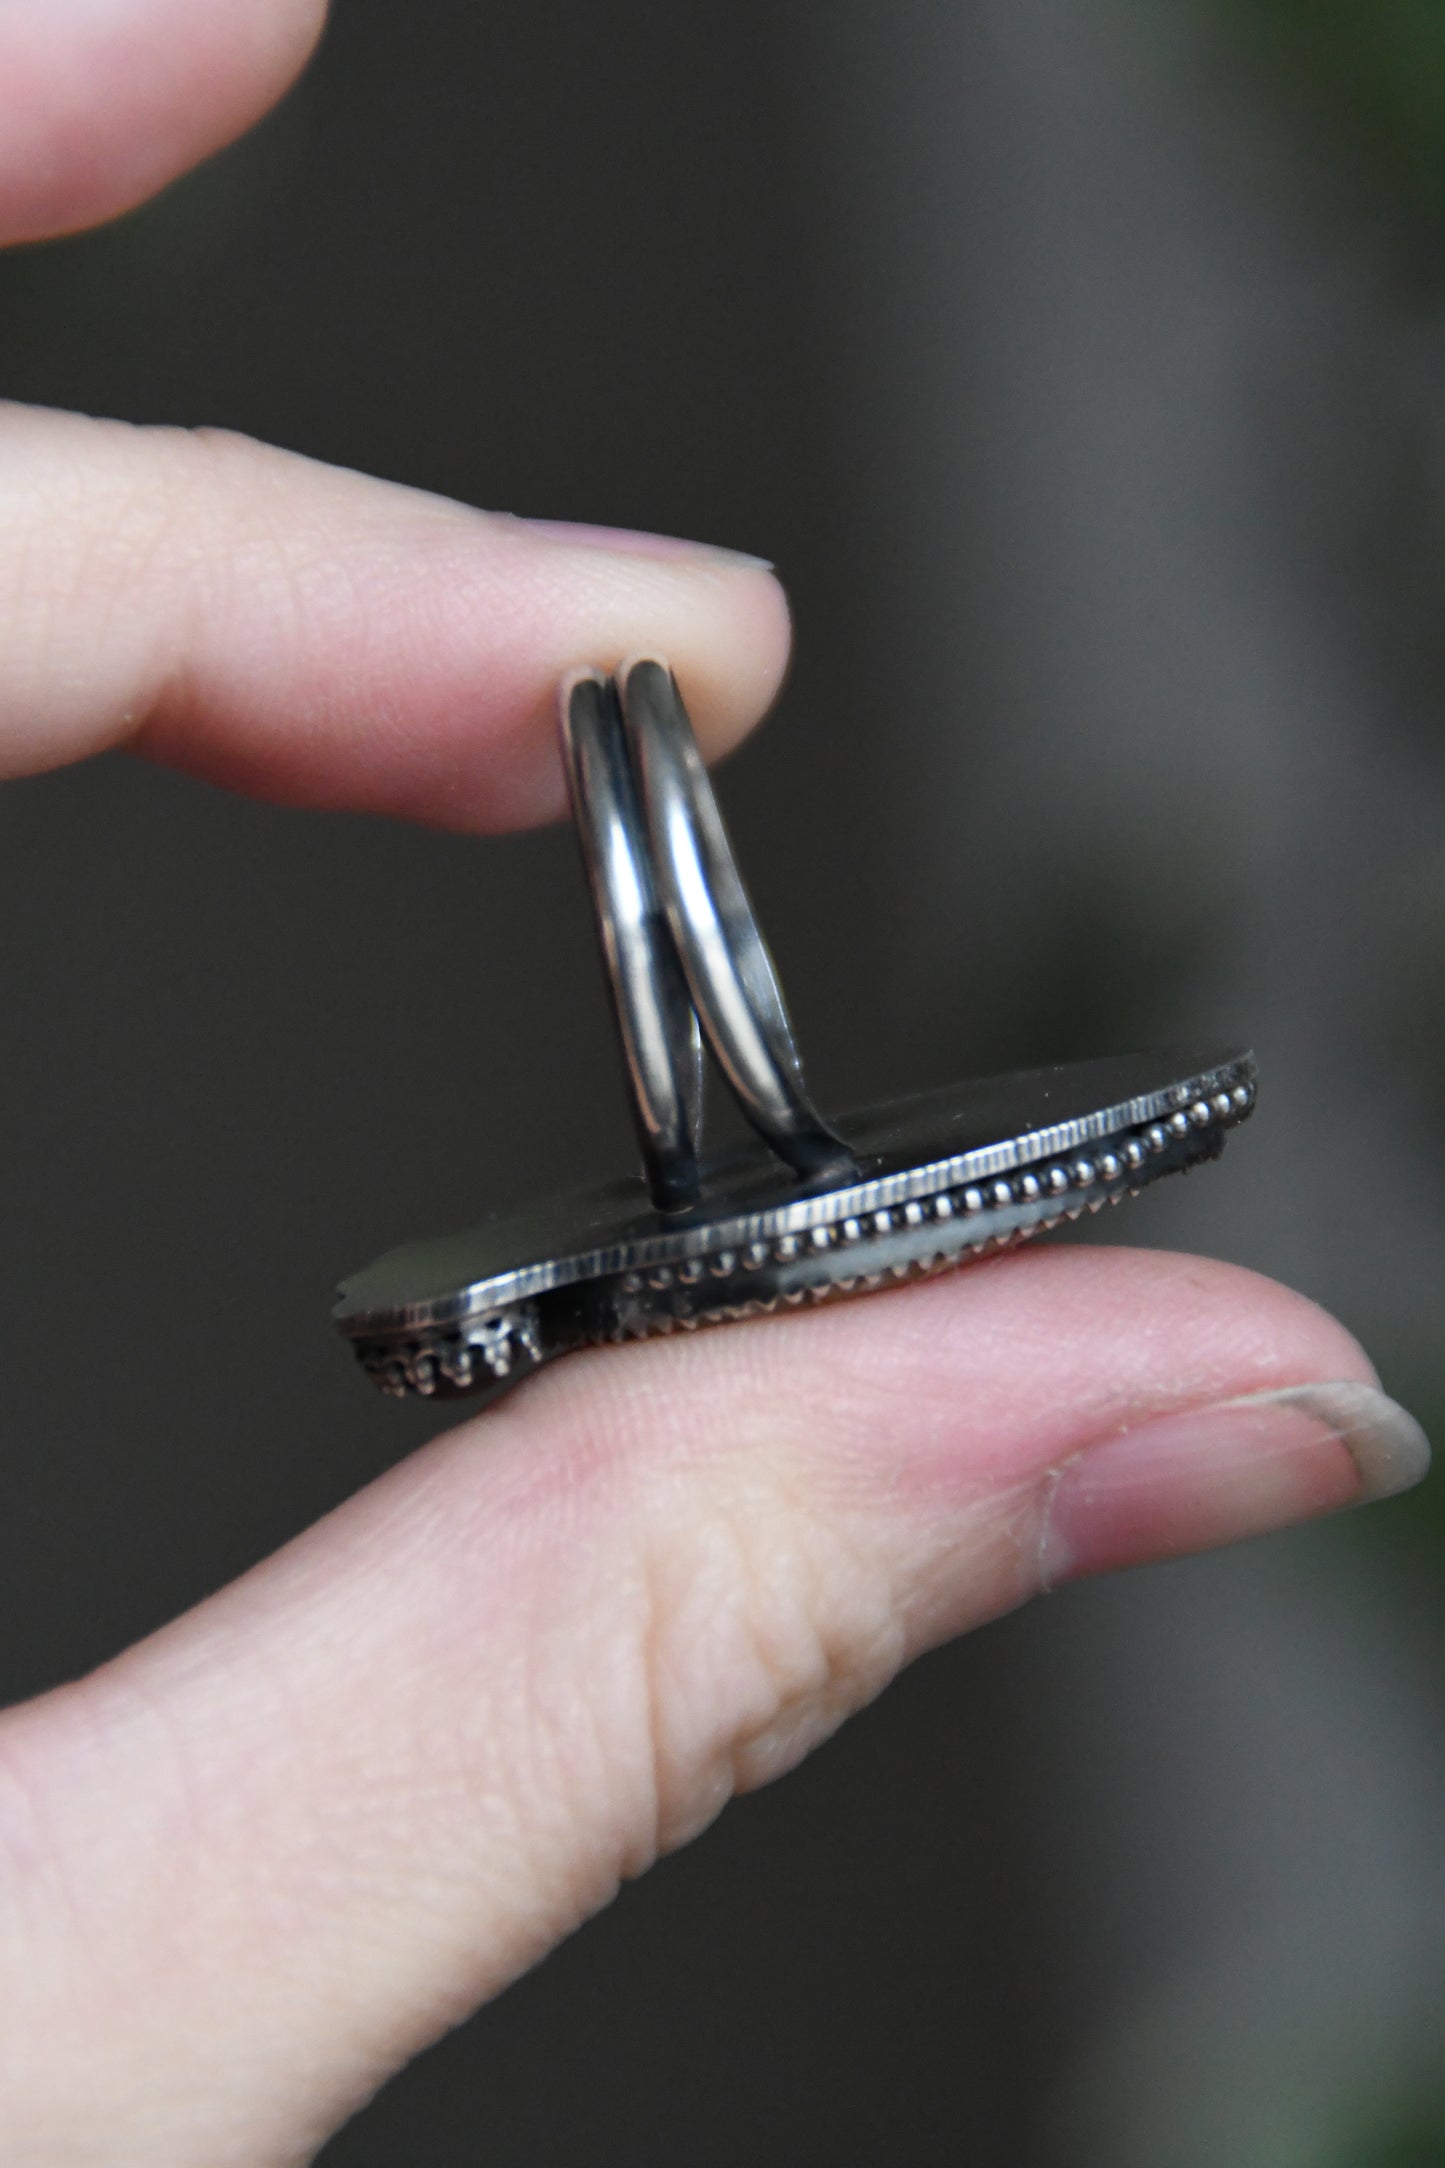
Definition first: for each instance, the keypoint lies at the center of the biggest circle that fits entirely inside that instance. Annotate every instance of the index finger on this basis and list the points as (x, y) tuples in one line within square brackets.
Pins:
[(319, 638)]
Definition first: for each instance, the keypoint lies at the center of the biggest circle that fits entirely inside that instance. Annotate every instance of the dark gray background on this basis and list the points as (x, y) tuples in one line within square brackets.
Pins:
[(1085, 418)]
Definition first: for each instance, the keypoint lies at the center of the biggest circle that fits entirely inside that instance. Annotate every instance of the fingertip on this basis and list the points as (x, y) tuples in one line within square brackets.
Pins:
[(469, 633), (322, 639), (741, 685), (971, 1384), (718, 618), (436, 699), (103, 104)]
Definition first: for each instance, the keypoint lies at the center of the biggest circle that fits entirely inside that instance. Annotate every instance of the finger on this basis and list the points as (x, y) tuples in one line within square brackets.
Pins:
[(275, 1850), (102, 102), (320, 638)]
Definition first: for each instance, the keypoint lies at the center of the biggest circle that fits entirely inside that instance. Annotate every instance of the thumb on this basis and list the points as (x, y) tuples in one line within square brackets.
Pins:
[(260, 1861)]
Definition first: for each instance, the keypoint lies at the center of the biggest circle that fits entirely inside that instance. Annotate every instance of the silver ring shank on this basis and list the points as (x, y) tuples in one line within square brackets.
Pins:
[(661, 1043), (732, 978)]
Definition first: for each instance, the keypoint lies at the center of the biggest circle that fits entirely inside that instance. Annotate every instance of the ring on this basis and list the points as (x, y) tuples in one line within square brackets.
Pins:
[(923, 1184), (732, 977), (656, 1022)]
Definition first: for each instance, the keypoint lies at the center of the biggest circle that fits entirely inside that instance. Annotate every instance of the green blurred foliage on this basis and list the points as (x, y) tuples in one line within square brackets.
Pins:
[(1411, 1530), (1399, 1545), (1374, 70), (1369, 78), (1418, 2141)]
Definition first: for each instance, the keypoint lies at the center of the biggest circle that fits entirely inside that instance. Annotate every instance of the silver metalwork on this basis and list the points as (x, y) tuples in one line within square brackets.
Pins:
[(661, 1042), (922, 1185), (942, 1178), (734, 983)]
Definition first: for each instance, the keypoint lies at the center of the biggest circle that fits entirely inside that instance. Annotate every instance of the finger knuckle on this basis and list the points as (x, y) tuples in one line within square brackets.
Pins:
[(767, 1623)]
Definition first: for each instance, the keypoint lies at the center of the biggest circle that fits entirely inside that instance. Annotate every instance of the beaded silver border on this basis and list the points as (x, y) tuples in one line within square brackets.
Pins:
[(955, 1224)]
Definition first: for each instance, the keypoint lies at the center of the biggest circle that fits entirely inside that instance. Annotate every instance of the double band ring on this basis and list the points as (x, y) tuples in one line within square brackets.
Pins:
[(679, 936), (800, 1216)]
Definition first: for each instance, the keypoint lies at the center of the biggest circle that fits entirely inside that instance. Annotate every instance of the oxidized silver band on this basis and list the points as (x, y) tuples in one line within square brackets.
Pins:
[(661, 1042), (679, 935), (734, 982)]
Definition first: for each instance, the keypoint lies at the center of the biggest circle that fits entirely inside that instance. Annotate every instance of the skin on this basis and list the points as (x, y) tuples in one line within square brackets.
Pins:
[(251, 1866)]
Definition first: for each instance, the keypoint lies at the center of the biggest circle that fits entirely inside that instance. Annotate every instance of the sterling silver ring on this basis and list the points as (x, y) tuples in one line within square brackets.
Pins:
[(734, 984), (651, 1001), (812, 1210)]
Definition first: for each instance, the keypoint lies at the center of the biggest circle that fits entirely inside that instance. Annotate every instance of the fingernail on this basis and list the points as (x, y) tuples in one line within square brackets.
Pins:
[(1213, 1475), (630, 542)]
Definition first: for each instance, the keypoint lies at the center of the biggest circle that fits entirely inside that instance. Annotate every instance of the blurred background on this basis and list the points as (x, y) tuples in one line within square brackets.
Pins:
[(1082, 365)]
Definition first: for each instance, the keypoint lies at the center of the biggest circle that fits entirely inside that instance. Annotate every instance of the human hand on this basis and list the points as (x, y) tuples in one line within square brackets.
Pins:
[(256, 1863)]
